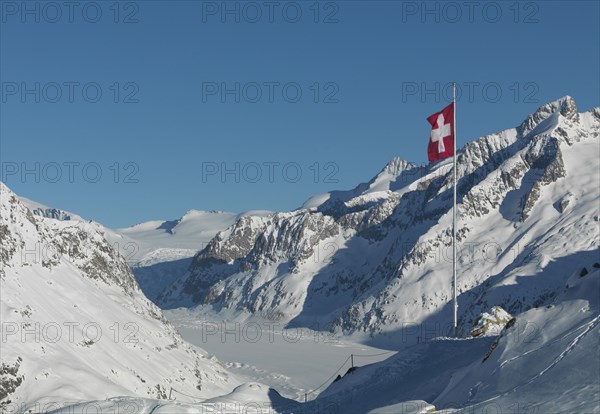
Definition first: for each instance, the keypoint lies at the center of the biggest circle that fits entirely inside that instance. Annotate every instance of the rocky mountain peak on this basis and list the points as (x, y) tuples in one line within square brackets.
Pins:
[(397, 165), (564, 106)]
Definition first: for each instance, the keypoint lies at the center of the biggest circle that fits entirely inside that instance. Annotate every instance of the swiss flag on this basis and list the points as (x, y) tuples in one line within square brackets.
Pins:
[(441, 139)]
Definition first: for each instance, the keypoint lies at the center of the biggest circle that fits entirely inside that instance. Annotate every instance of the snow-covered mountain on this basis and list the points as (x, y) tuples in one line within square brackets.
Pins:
[(75, 325), (365, 261), (373, 262), (157, 251)]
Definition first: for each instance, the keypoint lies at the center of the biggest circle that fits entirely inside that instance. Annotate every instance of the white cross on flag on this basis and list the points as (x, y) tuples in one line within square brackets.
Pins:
[(441, 140)]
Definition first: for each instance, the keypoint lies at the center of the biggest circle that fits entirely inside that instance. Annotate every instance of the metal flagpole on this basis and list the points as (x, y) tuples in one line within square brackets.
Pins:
[(455, 305)]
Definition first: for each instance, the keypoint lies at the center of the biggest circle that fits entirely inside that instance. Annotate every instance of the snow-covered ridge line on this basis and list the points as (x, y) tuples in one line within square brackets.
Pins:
[(364, 260)]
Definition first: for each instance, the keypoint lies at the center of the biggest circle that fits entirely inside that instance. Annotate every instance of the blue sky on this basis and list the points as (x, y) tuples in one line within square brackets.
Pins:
[(122, 110)]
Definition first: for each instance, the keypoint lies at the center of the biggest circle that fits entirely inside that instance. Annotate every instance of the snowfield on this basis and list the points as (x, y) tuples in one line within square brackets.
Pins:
[(298, 363)]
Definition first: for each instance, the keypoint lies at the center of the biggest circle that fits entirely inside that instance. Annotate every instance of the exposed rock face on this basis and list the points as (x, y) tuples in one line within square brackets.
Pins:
[(50, 241), (491, 323), (53, 213), (368, 259), (565, 106)]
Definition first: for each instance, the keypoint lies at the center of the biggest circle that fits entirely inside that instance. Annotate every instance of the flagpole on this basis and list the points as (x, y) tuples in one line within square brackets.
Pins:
[(455, 304)]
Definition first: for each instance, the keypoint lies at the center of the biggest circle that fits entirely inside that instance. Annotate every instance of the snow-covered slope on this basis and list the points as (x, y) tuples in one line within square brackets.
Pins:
[(75, 325), (248, 398), (367, 260), (546, 360)]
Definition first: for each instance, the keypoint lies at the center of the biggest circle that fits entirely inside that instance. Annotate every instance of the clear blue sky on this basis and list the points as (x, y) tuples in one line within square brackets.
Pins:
[(370, 59)]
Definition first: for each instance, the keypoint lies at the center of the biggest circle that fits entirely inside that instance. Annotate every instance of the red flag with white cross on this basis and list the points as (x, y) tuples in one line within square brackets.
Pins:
[(441, 139)]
